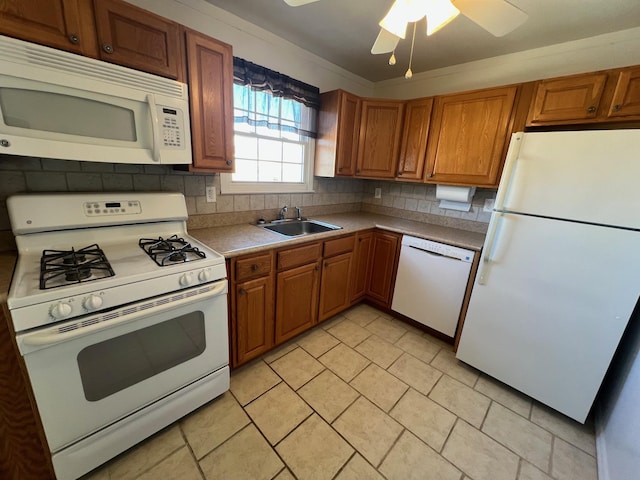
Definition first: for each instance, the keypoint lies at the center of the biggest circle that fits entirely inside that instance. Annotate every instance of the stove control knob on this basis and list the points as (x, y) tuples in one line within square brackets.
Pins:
[(186, 279), (92, 302), (204, 275), (60, 310)]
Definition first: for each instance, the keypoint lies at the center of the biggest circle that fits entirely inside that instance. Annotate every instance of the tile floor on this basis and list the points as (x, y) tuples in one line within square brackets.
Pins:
[(363, 396)]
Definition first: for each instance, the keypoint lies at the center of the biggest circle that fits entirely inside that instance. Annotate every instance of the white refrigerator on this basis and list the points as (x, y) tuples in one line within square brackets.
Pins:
[(559, 274)]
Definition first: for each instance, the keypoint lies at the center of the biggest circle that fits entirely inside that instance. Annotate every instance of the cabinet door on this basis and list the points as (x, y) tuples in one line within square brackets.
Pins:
[(54, 23), (413, 150), (384, 250), (210, 71), (296, 301), (468, 137), (254, 318), (575, 98), (334, 286), (135, 38), (348, 131), (626, 97), (379, 142), (361, 263)]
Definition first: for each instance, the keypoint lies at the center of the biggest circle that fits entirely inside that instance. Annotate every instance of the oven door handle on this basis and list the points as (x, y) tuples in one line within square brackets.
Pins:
[(104, 321)]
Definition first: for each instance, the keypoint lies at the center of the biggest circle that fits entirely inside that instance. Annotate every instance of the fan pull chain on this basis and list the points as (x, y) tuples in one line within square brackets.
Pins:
[(409, 73), (392, 59)]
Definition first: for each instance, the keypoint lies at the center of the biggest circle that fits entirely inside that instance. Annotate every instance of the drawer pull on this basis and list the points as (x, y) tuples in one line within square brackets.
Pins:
[(254, 267), (73, 38), (591, 109), (243, 291)]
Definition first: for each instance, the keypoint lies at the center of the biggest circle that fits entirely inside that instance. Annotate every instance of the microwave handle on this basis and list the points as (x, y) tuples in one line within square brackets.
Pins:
[(155, 128)]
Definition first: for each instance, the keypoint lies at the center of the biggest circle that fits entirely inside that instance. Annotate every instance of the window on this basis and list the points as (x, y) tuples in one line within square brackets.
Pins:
[(274, 130)]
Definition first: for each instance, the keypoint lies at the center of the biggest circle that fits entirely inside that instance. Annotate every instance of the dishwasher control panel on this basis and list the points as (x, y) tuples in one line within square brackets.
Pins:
[(438, 248)]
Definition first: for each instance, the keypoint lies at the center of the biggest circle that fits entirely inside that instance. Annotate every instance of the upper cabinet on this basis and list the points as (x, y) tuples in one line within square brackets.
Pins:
[(63, 24), (136, 38), (210, 80), (417, 117), (379, 138), (626, 96), (469, 133), (338, 129)]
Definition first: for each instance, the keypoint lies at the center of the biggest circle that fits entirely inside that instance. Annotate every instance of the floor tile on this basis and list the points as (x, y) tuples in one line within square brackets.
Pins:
[(344, 362), (285, 475), (529, 472), (318, 342), (478, 456), (380, 387), (214, 423), (410, 459), (280, 351), (446, 362), (527, 439), (358, 469), (463, 401), (349, 333), (389, 329), (362, 314), (297, 368), (418, 346), (581, 436), (177, 466), (328, 395), (245, 456), (251, 381), (372, 437), (504, 395), (571, 463), (415, 373), (278, 412), (332, 322), (424, 418), (314, 450), (379, 351)]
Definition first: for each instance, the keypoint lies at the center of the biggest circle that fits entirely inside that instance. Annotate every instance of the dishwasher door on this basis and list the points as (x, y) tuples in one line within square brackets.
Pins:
[(431, 283)]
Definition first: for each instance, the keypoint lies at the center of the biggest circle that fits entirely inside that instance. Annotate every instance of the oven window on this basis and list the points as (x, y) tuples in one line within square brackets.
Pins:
[(118, 363)]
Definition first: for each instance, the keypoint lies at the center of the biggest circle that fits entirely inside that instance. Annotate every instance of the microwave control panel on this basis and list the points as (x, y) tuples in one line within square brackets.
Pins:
[(172, 124)]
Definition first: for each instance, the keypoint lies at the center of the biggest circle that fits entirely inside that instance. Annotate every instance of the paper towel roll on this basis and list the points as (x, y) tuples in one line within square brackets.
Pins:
[(455, 194)]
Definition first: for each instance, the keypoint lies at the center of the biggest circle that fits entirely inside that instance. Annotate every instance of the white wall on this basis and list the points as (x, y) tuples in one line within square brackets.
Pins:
[(611, 50), (257, 45)]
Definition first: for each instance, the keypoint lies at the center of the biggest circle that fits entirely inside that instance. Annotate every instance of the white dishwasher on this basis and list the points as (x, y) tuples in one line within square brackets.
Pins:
[(431, 282)]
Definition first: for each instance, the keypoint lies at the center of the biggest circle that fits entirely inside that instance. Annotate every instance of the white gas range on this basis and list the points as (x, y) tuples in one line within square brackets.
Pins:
[(121, 318)]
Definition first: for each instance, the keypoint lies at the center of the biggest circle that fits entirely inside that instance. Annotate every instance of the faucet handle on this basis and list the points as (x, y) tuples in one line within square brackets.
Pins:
[(298, 213)]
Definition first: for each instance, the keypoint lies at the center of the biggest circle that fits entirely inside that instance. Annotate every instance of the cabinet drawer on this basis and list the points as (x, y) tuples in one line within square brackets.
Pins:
[(253, 267), (339, 245), (293, 257)]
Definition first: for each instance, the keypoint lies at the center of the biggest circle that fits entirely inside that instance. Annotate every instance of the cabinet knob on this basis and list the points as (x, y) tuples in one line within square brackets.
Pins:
[(107, 48), (73, 38), (254, 267), (242, 291), (326, 265), (399, 172), (617, 107), (430, 174), (317, 268), (340, 169), (591, 109), (5, 143), (357, 170), (229, 162)]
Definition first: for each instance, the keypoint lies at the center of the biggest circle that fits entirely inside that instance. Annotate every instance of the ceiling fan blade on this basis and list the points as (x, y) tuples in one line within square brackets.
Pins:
[(297, 3), (498, 17), (385, 42)]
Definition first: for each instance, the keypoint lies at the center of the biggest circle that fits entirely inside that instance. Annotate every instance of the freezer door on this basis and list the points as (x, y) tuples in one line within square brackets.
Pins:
[(589, 176), (552, 306)]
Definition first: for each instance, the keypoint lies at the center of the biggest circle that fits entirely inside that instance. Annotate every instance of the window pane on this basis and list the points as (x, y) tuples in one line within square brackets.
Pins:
[(292, 173), (270, 172), (292, 152), (270, 150), (246, 147), (291, 136), (246, 171)]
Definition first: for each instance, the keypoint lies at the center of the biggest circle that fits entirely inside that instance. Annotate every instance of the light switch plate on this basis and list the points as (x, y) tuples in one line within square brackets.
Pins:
[(211, 194), (378, 193)]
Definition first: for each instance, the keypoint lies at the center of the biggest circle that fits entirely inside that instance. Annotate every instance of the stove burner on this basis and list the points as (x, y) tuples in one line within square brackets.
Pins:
[(170, 251), (64, 267)]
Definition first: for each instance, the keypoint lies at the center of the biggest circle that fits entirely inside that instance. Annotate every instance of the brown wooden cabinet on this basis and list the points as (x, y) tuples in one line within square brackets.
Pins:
[(336, 276), (384, 260), (210, 80), (379, 138), (338, 130), (626, 96), (469, 135), (417, 118), (361, 265), (252, 307)]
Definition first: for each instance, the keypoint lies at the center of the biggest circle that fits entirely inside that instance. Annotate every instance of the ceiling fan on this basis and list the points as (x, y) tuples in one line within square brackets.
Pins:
[(498, 17)]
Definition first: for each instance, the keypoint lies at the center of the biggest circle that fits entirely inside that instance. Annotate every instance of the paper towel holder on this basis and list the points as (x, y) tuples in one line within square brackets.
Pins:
[(455, 193)]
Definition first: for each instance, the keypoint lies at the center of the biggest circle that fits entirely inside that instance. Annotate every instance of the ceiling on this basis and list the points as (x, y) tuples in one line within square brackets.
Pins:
[(343, 31)]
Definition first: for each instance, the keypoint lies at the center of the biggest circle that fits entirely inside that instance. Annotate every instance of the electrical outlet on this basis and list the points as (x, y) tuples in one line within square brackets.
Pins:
[(378, 193), (211, 194), (488, 205)]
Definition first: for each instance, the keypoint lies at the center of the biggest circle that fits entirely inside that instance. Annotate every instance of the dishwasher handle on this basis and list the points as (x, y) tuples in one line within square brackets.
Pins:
[(435, 254)]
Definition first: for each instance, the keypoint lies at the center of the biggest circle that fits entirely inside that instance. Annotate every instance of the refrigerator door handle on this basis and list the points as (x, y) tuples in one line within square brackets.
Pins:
[(510, 162), (490, 242)]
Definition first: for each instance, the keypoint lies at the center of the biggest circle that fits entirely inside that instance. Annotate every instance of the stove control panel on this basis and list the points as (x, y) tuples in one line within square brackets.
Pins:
[(94, 209)]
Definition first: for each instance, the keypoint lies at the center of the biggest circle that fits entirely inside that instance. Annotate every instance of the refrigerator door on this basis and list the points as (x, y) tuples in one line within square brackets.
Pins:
[(553, 304), (590, 176)]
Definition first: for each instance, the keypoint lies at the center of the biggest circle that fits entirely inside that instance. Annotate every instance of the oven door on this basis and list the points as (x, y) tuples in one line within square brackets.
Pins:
[(87, 375)]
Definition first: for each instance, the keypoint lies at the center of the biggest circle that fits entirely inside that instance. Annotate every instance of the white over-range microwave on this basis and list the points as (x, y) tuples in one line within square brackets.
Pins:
[(55, 104)]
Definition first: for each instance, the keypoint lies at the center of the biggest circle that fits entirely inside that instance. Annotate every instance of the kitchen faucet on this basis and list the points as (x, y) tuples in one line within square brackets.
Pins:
[(298, 213), (283, 210)]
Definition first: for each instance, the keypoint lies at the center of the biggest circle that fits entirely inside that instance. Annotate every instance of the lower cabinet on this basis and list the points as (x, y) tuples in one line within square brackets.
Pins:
[(296, 300), (254, 317), (384, 260), (336, 276), (361, 265)]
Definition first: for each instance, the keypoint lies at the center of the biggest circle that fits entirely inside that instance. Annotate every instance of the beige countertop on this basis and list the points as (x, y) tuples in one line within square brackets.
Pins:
[(235, 240), (7, 261)]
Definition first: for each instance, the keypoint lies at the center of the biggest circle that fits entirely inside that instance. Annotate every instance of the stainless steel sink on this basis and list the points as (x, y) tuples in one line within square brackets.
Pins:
[(294, 228)]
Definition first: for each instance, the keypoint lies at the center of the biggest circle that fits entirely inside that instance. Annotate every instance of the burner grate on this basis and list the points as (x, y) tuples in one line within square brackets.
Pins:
[(171, 250), (65, 267)]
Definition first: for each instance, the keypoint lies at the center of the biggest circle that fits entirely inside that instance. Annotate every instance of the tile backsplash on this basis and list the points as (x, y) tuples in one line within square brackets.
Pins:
[(411, 201)]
